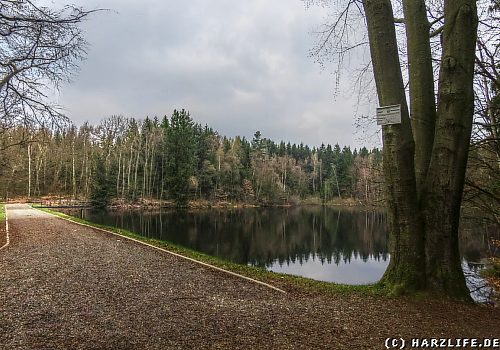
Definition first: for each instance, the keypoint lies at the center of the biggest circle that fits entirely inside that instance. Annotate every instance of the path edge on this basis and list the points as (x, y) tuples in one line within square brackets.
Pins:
[(165, 251), (7, 237)]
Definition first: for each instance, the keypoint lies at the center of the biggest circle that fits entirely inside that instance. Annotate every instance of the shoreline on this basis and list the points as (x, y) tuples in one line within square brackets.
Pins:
[(152, 204)]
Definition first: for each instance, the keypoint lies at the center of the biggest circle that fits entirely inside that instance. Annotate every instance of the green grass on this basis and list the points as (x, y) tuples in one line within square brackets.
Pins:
[(2, 212), (287, 282)]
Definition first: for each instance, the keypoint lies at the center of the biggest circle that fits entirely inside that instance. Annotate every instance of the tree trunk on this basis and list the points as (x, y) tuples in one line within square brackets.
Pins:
[(406, 270), (29, 170), (119, 173), (73, 170), (82, 172), (152, 170), (123, 178), (443, 189), (129, 169), (139, 144), (422, 105), (145, 168)]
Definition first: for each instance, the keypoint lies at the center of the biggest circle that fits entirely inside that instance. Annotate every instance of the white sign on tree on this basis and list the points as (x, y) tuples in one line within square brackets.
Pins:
[(387, 115)]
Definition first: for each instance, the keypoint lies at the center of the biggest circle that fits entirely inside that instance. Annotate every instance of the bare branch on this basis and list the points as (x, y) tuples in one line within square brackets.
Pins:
[(39, 49), (436, 32)]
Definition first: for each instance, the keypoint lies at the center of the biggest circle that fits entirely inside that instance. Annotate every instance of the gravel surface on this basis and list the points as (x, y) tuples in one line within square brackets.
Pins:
[(65, 286)]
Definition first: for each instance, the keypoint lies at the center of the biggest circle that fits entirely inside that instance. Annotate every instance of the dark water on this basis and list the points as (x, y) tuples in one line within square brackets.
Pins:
[(324, 243)]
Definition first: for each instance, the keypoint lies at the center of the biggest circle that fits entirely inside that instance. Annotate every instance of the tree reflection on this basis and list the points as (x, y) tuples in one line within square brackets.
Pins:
[(262, 236), (284, 238)]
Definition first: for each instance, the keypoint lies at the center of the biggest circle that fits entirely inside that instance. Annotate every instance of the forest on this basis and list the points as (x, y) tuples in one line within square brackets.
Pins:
[(127, 160), (177, 159)]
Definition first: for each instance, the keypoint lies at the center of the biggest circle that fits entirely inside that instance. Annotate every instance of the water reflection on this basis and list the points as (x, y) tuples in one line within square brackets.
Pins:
[(324, 243), (353, 271), (330, 244)]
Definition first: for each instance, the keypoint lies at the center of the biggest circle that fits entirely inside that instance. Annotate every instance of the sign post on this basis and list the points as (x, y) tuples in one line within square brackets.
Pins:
[(388, 115)]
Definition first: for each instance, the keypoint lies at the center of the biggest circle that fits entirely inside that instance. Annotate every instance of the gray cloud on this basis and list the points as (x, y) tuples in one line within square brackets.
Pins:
[(238, 66)]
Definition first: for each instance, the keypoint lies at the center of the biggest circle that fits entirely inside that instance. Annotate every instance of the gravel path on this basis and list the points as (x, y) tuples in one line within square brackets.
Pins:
[(65, 286)]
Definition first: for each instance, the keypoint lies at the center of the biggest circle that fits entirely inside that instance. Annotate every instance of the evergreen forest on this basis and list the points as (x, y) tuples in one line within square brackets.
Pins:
[(175, 158)]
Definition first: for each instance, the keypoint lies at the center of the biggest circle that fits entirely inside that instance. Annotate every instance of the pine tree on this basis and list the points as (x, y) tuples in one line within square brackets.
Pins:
[(180, 160), (100, 193)]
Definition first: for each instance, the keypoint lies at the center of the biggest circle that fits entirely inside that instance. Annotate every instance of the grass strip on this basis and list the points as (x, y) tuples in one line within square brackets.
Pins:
[(4, 229), (288, 282)]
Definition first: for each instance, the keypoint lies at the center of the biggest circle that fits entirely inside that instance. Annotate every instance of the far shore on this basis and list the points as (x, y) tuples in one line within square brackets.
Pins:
[(151, 204)]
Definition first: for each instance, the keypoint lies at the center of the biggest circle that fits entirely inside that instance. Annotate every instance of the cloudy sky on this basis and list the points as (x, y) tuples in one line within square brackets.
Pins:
[(238, 66)]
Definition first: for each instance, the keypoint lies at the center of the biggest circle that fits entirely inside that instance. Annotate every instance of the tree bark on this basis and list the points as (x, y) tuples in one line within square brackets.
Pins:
[(421, 79), (444, 185), (406, 270)]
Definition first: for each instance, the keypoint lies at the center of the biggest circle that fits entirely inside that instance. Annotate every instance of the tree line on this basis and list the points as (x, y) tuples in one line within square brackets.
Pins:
[(178, 159)]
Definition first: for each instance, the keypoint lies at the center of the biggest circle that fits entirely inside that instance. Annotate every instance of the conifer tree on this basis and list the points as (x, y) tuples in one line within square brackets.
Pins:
[(180, 160)]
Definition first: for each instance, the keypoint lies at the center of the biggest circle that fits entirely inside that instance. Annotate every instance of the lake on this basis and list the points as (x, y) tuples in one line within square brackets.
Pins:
[(342, 245)]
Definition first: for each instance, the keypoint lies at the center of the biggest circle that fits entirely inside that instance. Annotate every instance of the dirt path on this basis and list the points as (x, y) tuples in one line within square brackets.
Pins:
[(64, 286)]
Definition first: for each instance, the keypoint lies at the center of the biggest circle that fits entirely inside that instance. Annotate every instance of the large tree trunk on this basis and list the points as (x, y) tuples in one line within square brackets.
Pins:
[(422, 105), (444, 185), (406, 270), (425, 184)]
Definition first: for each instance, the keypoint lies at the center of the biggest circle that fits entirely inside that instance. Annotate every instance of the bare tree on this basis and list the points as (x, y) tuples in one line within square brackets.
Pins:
[(483, 175), (39, 49)]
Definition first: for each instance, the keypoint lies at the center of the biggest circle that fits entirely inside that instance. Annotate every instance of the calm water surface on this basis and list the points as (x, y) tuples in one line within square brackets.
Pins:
[(324, 243)]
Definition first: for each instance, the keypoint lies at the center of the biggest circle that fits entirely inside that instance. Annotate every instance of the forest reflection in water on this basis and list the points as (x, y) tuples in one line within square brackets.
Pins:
[(342, 245)]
